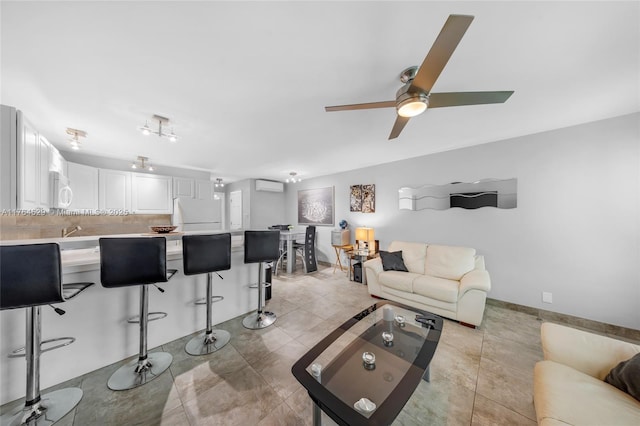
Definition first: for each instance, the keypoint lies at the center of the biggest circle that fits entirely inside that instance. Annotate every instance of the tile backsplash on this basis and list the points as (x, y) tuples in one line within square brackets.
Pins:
[(21, 227)]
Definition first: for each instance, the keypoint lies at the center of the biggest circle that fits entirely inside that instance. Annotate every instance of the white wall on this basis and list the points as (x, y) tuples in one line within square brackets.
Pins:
[(575, 232), (267, 208)]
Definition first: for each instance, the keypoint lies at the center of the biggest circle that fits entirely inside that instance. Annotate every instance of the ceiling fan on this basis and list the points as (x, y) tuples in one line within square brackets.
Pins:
[(415, 95)]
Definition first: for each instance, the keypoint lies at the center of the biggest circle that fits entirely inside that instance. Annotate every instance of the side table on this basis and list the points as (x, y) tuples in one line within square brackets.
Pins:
[(360, 256), (340, 249)]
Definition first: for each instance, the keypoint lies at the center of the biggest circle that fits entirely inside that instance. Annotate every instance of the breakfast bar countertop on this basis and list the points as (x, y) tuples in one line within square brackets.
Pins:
[(90, 241)]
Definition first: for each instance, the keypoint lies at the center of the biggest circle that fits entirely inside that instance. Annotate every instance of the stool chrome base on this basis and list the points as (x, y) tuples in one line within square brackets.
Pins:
[(258, 320), (137, 373), (52, 407), (204, 344)]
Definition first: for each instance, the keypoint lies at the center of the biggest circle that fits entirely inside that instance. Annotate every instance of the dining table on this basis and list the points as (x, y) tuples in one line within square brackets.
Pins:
[(289, 237)]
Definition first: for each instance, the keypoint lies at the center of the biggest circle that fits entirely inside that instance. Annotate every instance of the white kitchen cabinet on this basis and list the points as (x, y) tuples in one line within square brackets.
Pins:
[(183, 187), (151, 194), (28, 160), (83, 181), (114, 190), (33, 161), (204, 189), (43, 172)]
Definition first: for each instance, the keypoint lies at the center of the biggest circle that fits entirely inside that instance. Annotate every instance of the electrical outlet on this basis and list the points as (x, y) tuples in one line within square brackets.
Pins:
[(547, 297)]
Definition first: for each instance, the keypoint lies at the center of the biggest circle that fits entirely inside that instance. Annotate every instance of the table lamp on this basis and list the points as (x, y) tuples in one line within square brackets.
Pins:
[(365, 238)]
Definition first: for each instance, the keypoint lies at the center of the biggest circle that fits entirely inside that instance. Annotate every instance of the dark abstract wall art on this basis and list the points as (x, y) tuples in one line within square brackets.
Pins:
[(363, 198)]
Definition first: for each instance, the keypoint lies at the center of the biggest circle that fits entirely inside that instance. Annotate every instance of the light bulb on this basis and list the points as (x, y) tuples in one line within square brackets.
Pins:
[(133, 166), (412, 108), (150, 168), (146, 130), (172, 137)]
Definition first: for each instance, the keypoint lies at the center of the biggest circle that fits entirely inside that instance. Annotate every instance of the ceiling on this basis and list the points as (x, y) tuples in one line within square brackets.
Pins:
[(245, 84)]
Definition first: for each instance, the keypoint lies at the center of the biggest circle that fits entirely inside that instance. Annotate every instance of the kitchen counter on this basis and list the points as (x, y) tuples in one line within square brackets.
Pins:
[(97, 318), (90, 241)]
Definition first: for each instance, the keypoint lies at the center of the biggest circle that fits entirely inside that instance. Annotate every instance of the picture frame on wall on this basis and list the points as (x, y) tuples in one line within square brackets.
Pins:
[(363, 198), (316, 206), (355, 199)]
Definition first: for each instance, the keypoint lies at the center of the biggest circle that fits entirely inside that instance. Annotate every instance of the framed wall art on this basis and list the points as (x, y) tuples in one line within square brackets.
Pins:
[(363, 198), (316, 206)]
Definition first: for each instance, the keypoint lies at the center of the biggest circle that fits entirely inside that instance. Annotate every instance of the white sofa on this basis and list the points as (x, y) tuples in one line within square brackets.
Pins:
[(568, 386), (448, 281)]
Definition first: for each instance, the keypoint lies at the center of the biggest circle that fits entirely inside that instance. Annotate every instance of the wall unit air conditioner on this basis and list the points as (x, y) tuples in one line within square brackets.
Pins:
[(268, 185)]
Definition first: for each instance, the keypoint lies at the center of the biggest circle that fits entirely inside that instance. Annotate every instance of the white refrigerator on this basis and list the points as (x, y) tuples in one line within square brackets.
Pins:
[(190, 214)]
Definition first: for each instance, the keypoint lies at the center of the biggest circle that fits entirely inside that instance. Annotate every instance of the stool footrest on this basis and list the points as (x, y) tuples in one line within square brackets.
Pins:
[(20, 352), (214, 299), (264, 285), (153, 316)]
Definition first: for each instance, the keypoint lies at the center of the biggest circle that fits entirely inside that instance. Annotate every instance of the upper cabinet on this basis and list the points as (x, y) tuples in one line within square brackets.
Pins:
[(151, 194), (193, 188), (114, 190), (183, 187), (33, 162), (83, 181)]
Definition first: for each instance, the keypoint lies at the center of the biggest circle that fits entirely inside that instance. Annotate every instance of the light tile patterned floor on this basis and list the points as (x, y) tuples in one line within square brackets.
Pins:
[(479, 377)]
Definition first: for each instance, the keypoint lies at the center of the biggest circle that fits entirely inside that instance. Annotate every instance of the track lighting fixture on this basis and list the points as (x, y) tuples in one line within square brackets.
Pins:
[(219, 183), (74, 140), (293, 178), (162, 122), (141, 163)]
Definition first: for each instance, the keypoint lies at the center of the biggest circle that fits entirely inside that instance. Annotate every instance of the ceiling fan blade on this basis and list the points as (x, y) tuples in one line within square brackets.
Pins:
[(442, 49), (398, 126), (370, 105), (440, 100)]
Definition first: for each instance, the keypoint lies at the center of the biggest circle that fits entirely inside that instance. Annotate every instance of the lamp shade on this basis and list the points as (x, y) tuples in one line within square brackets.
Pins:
[(365, 234)]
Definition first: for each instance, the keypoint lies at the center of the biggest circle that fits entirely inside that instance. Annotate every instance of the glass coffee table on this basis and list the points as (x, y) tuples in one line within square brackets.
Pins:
[(364, 372)]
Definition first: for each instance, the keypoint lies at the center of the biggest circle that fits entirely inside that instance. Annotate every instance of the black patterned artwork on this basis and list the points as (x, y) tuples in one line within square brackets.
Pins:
[(363, 198)]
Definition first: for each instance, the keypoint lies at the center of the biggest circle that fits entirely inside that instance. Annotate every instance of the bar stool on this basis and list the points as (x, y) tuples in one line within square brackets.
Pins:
[(31, 276), (207, 254), (137, 261), (260, 247)]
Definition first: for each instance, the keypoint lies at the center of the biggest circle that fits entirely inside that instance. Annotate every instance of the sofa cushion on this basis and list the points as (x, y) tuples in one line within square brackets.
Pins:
[(449, 262), (565, 394), (398, 280), (412, 253), (392, 261), (436, 288), (626, 376)]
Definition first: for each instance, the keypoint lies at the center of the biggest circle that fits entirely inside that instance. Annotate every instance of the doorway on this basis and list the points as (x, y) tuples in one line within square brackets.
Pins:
[(235, 210)]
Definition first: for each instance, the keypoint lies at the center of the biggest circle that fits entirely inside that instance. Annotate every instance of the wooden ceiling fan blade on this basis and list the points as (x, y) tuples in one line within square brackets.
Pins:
[(398, 126), (440, 100), (442, 49), (370, 105)]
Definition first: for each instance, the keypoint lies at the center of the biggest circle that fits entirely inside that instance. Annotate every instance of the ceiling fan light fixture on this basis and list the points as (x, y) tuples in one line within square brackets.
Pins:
[(412, 106)]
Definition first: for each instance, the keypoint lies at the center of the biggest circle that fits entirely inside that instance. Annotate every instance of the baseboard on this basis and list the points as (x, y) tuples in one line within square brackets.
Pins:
[(599, 327)]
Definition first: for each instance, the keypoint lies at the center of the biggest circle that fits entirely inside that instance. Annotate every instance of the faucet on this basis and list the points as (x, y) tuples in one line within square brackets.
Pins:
[(66, 233)]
